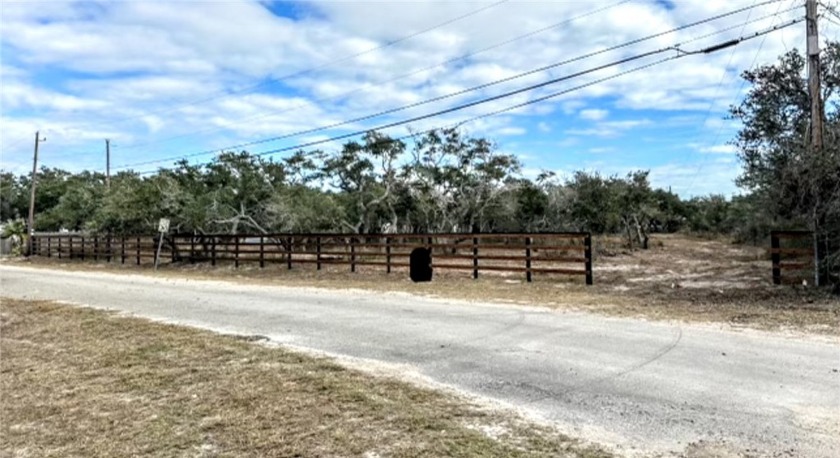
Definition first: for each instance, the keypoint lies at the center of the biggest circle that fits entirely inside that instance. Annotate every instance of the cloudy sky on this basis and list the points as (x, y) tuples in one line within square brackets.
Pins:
[(168, 79)]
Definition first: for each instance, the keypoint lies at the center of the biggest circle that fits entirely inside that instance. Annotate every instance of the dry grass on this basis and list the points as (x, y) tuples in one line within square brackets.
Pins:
[(82, 382), (678, 278)]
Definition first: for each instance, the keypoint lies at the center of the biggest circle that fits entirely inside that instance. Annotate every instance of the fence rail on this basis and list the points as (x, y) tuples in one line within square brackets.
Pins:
[(794, 263), (565, 253)]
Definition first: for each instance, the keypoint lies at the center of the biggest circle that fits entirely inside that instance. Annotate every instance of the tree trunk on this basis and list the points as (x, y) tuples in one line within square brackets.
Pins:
[(629, 232), (641, 233)]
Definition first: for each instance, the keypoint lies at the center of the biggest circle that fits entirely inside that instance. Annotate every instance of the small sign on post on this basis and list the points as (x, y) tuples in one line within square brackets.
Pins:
[(163, 228), (163, 225)]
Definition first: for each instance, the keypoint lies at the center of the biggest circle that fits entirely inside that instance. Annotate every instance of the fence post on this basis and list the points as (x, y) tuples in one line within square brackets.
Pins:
[(528, 259), (122, 249), (192, 248), (236, 252), (289, 252), (475, 257), (587, 253), (262, 252), (110, 255), (818, 255), (49, 246), (96, 248), (59, 247), (70, 247), (776, 258), (352, 254), (387, 254), (83, 248), (137, 249), (213, 251), (317, 253)]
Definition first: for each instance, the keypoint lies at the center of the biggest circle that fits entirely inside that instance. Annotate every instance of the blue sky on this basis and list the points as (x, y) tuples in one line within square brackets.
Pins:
[(165, 79)]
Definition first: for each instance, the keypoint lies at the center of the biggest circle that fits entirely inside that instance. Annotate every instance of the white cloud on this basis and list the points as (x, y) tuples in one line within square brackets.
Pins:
[(181, 77), (512, 131), (719, 149), (593, 114), (610, 128)]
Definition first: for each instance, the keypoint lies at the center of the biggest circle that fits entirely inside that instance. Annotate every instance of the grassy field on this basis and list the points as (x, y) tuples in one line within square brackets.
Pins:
[(82, 382), (678, 278)]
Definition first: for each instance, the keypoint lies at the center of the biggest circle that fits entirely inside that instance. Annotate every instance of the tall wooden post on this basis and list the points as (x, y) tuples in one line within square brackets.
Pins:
[(388, 255), (528, 259), (587, 253), (475, 257), (30, 229), (817, 112), (775, 258)]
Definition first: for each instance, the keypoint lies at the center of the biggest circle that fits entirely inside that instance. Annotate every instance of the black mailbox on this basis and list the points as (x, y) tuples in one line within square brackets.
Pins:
[(420, 269)]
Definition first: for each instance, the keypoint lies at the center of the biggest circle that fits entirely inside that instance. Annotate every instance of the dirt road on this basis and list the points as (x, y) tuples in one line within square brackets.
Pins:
[(639, 386)]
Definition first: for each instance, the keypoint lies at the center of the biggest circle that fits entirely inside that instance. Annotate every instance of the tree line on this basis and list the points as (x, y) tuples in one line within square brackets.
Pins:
[(442, 181), (448, 181)]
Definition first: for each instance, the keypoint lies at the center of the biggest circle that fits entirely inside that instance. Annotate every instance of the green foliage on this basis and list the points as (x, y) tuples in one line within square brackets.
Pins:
[(16, 231), (443, 181), (796, 183), (14, 198), (67, 201)]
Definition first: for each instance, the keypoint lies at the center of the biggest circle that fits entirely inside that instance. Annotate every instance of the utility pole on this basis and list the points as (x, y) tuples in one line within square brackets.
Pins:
[(814, 78), (31, 224), (817, 113), (108, 163)]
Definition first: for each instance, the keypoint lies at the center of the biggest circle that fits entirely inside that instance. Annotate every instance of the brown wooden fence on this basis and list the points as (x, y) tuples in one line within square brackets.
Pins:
[(795, 261), (522, 253)]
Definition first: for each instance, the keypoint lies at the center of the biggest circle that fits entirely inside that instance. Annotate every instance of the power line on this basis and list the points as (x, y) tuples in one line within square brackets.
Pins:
[(830, 10), (437, 113), (472, 89), (317, 67), (536, 100), (740, 88), (15, 144), (409, 74), (485, 115), (722, 78), (829, 19)]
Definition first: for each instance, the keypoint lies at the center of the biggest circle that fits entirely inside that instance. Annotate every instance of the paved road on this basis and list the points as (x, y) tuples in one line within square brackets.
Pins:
[(642, 386)]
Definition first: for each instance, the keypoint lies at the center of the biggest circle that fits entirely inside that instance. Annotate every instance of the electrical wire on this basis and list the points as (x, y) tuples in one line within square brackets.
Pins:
[(465, 91), (310, 70), (830, 9), (485, 115), (532, 101), (737, 94), (271, 113), (403, 75)]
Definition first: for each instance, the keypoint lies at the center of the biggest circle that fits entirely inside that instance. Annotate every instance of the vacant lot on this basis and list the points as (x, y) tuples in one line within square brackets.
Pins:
[(80, 382), (679, 277)]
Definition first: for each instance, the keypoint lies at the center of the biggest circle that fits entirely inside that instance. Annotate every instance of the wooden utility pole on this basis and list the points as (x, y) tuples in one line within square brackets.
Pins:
[(108, 163), (30, 227), (814, 77), (817, 112)]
